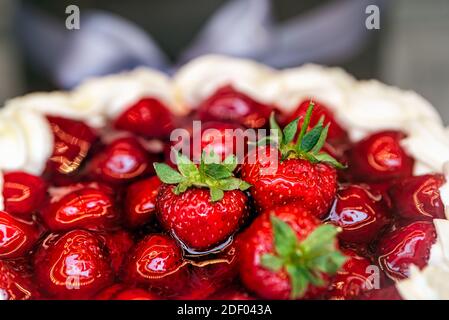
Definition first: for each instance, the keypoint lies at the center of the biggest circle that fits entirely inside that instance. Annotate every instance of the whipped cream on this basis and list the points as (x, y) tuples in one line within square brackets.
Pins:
[(362, 107)]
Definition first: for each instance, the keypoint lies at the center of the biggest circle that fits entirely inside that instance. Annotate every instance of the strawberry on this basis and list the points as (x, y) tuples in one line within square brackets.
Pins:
[(388, 293), (148, 118), (227, 104), (140, 201), (202, 205), (287, 254), (14, 285), (354, 278), (418, 198), (73, 140), (407, 245), (74, 265), (379, 157), (23, 193), (17, 237), (288, 172), (90, 208), (336, 133), (360, 212), (122, 161), (156, 261), (121, 292)]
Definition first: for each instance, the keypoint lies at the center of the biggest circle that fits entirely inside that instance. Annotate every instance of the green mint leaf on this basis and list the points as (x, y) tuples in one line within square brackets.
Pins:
[(285, 239), (305, 124), (324, 157), (216, 194), (167, 174), (275, 126), (272, 262), (321, 141), (210, 157), (290, 131), (311, 138)]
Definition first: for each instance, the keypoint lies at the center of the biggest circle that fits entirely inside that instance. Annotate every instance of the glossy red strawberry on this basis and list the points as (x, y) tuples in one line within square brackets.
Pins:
[(356, 276), (135, 294), (156, 261), (405, 246), (380, 157), (23, 193), (418, 198), (140, 202), (287, 172), (336, 133), (74, 265), (15, 286), (227, 104), (231, 294), (122, 161), (360, 212), (89, 208), (202, 205), (73, 140), (17, 237), (279, 254), (148, 118)]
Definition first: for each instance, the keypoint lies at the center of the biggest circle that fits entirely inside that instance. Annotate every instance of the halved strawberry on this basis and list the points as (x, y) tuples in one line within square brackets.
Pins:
[(288, 171)]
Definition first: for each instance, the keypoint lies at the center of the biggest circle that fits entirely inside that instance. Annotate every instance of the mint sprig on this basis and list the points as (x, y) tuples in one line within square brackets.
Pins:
[(308, 143), (211, 173), (304, 261)]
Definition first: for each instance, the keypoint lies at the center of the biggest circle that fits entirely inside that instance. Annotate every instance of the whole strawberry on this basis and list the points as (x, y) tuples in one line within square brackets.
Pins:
[(201, 205), (287, 254), (288, 171)]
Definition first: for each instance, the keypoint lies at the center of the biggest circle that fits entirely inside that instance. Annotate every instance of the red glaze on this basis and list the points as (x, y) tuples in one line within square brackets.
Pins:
[(23, 193), (199, 223), (148, 118), (227, 104), (354, 278), (135, 294), (74, 265), (13, 285), (360, 213), (88, 208), (405, 246), (17, 237), (140, 202), (389, 293), (234, 293), (109, 292), (313, 186), (336, 133), (257, 240), (214, 273), (156, 261), (418, 198), (379, 157), (122, 161), (118, 244), (73, 140)]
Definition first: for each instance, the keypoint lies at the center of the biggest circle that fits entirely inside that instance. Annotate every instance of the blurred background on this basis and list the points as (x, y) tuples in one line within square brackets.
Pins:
[(410, 50)]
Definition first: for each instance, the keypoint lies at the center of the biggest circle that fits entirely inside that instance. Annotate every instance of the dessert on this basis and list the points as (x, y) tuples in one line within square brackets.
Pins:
[(346, 197)]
